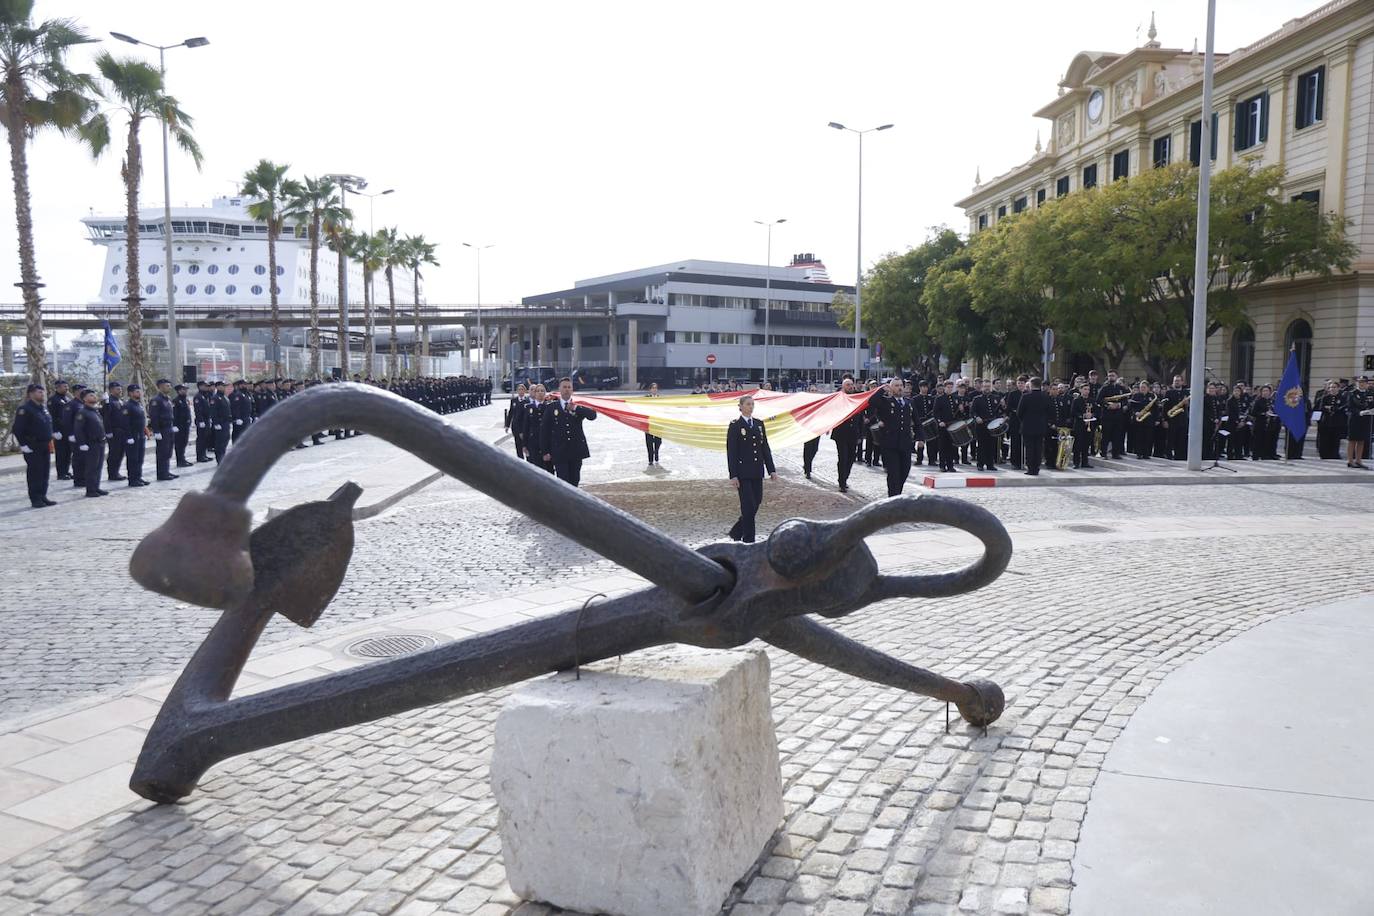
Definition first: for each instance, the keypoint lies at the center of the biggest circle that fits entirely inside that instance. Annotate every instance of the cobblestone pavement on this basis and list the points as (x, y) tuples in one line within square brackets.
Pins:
[(886, 813)]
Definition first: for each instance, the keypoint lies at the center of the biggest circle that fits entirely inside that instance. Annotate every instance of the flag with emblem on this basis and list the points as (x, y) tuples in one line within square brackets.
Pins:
[(1290, 402), (702, 420), (111, 349)]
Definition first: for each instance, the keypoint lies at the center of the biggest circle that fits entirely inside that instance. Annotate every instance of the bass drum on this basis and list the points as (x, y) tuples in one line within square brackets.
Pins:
[(930, 429), (998, 427), (960, 433)]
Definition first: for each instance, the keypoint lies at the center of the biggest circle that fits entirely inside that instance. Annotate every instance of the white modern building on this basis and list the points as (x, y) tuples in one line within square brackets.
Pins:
[(1301, 96)]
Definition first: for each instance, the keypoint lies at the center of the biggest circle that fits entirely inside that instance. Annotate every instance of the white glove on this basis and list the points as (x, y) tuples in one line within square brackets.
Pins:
[(217, 426), (157, 437), (26, 450), (200, 426), (57, 436), (84, 448), (128, 442), (238, 422), (176, 429), (109, 436)]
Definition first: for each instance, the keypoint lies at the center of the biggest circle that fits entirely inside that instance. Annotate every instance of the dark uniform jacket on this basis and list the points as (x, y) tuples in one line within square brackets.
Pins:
[(895, 415), (561, 431), (160, 414), (746, 450), (132, 420), (241, 407), (69, 415), (220, 413), (1035, 409), (33, 425), (109, 415), (201, 404), (181, 413), (88, 428), (57, 409)]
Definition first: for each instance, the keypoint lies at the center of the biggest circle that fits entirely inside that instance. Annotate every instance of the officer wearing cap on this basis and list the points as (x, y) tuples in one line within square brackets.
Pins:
[(563, 442), (205, 436), (111, 413), (62, 446), (181, 425), (33, 431), (221, 421), (67, 423), (747, 456), (240, 409), (160, 421), (133, 423), (88, 437)]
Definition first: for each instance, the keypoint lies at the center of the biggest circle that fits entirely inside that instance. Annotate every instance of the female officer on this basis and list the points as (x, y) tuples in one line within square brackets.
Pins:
[(746, 450)]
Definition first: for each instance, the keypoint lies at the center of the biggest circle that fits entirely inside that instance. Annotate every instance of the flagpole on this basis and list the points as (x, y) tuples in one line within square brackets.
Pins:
[(1202, 261)]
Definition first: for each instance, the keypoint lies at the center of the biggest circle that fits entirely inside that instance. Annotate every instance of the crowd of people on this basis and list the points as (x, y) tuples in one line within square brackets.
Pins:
[(84, 436)]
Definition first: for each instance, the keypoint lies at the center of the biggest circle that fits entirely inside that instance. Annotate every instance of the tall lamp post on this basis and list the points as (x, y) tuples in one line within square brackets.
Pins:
[(859, 269), (167, 190), (767, 289), (481, 337), (1201, 274), (355, 184)]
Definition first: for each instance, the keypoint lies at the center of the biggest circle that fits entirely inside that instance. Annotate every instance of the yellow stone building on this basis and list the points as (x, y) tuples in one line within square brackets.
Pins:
[(1300, 96)]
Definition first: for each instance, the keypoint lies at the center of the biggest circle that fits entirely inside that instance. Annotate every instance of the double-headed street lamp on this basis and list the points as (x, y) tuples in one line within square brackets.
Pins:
[(371, 209), (768, 289), (859, 270), (166, 189), (481, 337)]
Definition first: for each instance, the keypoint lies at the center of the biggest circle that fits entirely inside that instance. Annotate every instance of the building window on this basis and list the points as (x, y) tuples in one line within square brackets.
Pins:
[(1195, 140), (1312, 197), (259, 270), (154, 268), (1090, 176), (114, 290), (191, 290), (1311, 96), (1252, 121), (209, 289), (256, 290), (1163, 146), (233, 268), (1121, 165), (230, 289), (212, 269), (114, 271), (280, 270), (1039, 197), (1061, 187), (1002, 212), (1243, 355), (726, 338), (1018, 205), (982, 221), (176, 268), (1298, 338), (150, 289), (193, 269)]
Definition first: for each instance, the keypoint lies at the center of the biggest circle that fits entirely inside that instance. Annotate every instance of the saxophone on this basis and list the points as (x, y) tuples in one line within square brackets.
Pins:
[(1179, 407), (1144, 412)]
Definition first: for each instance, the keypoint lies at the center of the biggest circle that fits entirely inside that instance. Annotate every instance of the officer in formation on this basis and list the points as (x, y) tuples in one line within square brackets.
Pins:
[(748, 457), (846, 437), (894, 432), (561, 438), (33, 430), (131, 429)]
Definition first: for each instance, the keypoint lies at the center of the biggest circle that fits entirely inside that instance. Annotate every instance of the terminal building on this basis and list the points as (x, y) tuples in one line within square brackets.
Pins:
[(691, 321), (1301, 97)]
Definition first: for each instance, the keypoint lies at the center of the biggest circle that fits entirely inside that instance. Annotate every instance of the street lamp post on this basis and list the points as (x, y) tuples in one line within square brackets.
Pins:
[(166, 188), (859, 269), (1201, 274), (768, 290), (481, 336)]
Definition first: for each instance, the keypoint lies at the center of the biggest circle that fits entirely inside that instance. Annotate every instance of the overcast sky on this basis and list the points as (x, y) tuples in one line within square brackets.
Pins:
[(594, 137)]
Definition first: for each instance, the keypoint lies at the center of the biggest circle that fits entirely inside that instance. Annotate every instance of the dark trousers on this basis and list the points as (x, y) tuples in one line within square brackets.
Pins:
[(79, 463), (1033, 448), (1142, 439), (1328, 442), (897, 462), (94, 459), (1014, 434), (750, 497), (114, 456), (162, 451), (1178, 438), (536, 459), (220, 443), (62, 452), (987, 448), (947, 451), (240, 430), (570, 471), (37, 467), (652, 444), (179, 440), (519, 440), (872, 454), (205, 436), (844, 459), (1082, 445), (133, 457), (809, 449), (1294, 446), (1114, 432)]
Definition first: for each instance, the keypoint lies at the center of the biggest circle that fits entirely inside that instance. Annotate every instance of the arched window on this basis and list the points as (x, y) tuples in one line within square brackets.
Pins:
[(1242, 356), (1298, 337)]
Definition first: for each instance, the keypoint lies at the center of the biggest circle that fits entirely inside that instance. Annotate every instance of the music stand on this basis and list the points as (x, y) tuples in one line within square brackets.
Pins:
[(1217, 439)]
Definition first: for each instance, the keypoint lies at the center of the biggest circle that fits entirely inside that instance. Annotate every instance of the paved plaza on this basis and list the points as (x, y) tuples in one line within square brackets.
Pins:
[(1113, 591)]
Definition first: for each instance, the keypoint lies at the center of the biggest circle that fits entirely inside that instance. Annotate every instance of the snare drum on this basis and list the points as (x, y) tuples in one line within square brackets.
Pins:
[(998, 427), (930, 429), (960, 433)]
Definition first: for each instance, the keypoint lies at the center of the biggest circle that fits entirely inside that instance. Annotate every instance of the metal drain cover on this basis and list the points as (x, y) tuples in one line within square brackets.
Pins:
[(390, 646), (1088, 529)]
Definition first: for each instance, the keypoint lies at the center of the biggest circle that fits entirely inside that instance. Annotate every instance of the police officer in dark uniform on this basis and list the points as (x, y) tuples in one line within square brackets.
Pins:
[(1111, 404), (205, 437), (893, 431), (985, 408), (240, 409), (67, 423), (62, 446), (181, 425), (846, 438), (515, 420), (163, 425), (34, 432), (922, 409), (110, 413), (748, 456), (221, 421), (561, 437), (88, 436), (133, 423), (946, 412)]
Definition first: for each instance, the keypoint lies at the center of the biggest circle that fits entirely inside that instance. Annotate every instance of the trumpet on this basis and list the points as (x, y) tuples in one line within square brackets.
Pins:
[(1179, 407), (1144, 412)]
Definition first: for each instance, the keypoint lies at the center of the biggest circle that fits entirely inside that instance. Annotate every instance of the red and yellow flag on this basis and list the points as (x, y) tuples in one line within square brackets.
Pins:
[(701, 420)]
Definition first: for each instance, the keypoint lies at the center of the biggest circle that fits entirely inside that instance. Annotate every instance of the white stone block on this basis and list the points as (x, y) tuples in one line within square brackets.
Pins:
[(647, 788)]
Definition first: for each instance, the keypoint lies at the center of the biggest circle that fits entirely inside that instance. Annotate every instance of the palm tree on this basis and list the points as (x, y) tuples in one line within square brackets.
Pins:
[(137, 90), (37, 91), (315, 201), (418, 252), (392, 252), (267, 182), (341, 240), (368, 250)]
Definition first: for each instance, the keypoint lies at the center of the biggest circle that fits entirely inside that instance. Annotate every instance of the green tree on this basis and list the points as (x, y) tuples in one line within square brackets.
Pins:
[(892, 300), (38, 91), (311, 203), (270, 189), (369, 251), (137, 89), (341, 239), (419, 252), (393, 254)]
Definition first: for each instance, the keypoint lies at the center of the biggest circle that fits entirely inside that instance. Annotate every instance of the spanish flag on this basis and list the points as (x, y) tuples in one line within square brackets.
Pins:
[(702, 420)]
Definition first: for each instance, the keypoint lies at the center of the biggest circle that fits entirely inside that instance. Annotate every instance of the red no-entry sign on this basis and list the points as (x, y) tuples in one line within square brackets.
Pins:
[(710, 359)]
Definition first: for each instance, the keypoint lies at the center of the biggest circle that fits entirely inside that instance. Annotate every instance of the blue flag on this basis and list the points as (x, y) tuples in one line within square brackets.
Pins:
[(111, 349), (1289, 401)]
